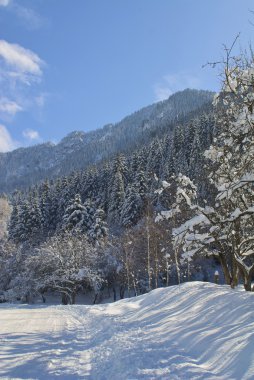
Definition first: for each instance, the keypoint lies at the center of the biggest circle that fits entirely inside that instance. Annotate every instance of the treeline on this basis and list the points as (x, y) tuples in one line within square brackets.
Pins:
[(120, 188), (24, 167), (97, 227)]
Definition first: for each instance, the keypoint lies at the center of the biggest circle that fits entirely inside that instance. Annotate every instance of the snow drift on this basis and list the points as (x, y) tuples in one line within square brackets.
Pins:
[(197, 331)]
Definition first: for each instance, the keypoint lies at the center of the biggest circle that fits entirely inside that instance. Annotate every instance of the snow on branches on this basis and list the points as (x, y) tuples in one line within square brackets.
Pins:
[(226, 229)]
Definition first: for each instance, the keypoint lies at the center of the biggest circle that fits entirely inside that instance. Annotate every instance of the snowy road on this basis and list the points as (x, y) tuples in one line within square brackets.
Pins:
[(202, 332)]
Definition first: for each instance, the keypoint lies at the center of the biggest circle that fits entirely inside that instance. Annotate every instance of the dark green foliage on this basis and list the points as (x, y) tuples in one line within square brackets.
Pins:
[(119, 187)]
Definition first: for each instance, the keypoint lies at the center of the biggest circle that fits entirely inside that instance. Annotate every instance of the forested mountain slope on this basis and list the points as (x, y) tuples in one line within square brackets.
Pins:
[(171, 210), (26, 166), (92, 211)]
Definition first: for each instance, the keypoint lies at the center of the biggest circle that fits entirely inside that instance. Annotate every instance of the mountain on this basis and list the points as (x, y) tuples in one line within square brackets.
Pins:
[(26, 166)]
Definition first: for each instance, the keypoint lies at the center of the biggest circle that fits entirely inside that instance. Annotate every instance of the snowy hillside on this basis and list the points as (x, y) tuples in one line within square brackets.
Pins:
[(200, 331), (25, 166)]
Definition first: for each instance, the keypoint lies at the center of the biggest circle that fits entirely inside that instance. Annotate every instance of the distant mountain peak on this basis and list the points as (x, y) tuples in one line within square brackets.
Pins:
[(74, 136)]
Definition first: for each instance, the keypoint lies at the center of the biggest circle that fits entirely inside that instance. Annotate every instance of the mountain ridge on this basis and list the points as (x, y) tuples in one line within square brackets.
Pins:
[(26, 166)]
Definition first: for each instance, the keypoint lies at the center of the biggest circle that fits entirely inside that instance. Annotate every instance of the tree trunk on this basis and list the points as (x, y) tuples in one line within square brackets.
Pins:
[(134, 287), (42, 292), (114, 292), (95, 298), (127, 265), (156, 266), (177, 266), (122, 289), (167, 273), (247, 281), (224, 265), (247, 276), (235, 273), (73, 297), (148, 255), (247, 284), (64, 299)]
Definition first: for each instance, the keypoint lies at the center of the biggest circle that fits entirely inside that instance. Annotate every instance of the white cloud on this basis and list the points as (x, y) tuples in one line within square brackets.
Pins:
[(23, 60), (172, 83), (29, 18), (162, 92), (6, 142), (31, 134), (20, 70), (4, 3), (8, 106)]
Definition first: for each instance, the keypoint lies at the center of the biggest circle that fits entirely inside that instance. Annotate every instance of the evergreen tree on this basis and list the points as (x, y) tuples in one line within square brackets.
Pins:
[(29, 223), (99, 229), (154, 163), (13, 232), (46, 208), (104, 187), (132, 208), (140, 185), (117, 197), (74, 215), (35, 222), (88, 216), (119, 165), (63, 198)]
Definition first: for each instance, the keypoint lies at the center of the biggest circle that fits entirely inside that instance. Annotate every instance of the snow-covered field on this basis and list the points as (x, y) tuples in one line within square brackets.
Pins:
[(200, 331)]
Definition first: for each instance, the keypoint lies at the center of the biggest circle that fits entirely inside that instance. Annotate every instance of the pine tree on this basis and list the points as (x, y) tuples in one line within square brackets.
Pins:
[(132, 208), (99, 229), (46, 208), (29, 223), (13, 232), (119, 165), (104, 186), (88, 216), (140, 184), (74, 215), (154, 163), (64, 198), (117, 197), (34, 223)]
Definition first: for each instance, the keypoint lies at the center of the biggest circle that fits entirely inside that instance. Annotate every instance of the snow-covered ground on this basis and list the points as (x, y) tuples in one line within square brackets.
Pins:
[(197, 331)]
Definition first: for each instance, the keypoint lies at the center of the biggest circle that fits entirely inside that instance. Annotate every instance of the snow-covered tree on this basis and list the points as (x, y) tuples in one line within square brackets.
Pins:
[(99, 230), (26, 222), (5, 211), (64, 263), (231, 156), (132, 208), (48, 209), (117, 196), (226, 230), (74, 214), (181, 196)]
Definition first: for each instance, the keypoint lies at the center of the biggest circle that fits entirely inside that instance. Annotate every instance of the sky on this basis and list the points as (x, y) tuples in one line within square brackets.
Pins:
[(70, 65)]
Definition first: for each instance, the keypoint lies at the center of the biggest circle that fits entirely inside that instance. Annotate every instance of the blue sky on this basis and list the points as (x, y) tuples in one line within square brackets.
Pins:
[(78, 65)]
